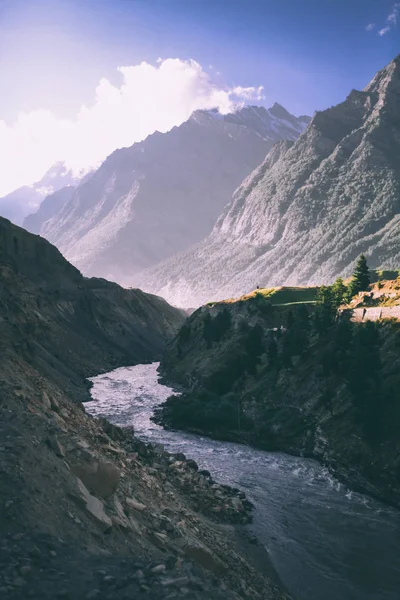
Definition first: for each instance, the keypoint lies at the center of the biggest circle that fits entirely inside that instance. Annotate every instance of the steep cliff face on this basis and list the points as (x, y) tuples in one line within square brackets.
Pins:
[(148, 202), (87, 509), (309, 210), (265, 374)]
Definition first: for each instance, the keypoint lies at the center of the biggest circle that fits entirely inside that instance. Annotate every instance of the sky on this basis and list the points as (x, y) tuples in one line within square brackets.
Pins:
[(80, 78)]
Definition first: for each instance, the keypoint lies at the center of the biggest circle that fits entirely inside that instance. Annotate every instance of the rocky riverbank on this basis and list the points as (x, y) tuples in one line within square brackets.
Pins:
[(87, 506)]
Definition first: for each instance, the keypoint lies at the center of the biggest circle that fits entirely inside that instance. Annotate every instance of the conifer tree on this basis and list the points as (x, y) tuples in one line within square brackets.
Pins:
[(361, 278)]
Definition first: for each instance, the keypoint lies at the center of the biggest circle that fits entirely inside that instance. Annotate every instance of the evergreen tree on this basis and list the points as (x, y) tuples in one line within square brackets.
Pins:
[(361, 278), (339, 293), (254, 347), (325, 310), (208, 330), (272, 352), (222, 323)]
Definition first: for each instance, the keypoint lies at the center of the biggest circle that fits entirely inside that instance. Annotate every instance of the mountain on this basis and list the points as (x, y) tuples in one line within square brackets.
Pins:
[(23, 201), (309, 210), (54, 309), (50, 206), (148, 202), (88, 510)]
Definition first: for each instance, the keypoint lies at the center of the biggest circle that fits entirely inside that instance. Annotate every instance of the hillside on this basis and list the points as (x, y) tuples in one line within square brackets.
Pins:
[(290, 377), (158, 197), (87, 509), (308, 211), (48, 309)]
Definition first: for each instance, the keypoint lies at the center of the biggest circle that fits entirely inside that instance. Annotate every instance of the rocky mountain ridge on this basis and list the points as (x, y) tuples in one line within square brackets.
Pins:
[(308, 211), (158, 197)]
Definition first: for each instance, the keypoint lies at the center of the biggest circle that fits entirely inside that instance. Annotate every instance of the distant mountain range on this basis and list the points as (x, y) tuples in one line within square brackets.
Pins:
[(150, 201), (306, 213), (27, 199)]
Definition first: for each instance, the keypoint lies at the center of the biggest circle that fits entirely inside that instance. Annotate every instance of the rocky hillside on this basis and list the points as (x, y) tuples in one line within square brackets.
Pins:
[(276, 370), (87, 510), (305, 214), (148, 202), (27, 199), (68, 326)]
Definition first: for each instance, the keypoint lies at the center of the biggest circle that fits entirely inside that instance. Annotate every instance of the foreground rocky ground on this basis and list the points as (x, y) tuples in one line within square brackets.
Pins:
[(89, 511)]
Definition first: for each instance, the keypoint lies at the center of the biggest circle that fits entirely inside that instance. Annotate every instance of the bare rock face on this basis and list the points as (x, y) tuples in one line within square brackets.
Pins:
[(148, 202), (309, 210)]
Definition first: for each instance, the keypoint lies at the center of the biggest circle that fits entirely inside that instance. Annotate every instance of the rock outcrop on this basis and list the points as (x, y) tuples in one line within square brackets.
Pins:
[(308, 211)]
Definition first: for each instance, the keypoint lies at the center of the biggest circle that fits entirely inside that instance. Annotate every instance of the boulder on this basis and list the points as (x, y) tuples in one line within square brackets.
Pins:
[(113, 431), (133, 504), (205, 557), (46, 401), (92, 506), (192, 464), (56, 445), (100, 477)]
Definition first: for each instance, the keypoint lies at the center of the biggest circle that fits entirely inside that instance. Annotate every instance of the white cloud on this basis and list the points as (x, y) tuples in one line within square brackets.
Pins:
[(150, 98), (391, 19), (370, 27), (249, 93)]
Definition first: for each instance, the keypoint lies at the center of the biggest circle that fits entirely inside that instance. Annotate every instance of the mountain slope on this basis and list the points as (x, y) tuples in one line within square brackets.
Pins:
[(309, 210), (23, 201), (48, 308), (48, 208), (156, 198), (87, 509), (51, 205)]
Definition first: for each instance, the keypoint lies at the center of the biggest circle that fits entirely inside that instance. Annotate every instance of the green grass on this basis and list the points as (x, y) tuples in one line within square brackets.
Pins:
[(280, 295)]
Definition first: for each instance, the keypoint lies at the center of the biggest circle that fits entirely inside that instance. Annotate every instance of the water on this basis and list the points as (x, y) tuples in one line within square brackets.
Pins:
[(325, 541)]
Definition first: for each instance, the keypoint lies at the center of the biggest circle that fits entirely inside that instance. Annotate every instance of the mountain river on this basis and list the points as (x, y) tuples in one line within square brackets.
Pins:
[(325, 541)]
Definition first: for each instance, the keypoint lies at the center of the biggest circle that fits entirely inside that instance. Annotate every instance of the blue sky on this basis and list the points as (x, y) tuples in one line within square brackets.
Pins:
[(307, 55)]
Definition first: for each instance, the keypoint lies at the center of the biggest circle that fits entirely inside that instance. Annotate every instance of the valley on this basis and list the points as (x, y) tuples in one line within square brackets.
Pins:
[(200, 315)]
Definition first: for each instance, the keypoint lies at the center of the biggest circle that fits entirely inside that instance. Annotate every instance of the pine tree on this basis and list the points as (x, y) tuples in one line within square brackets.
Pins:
[(272, 352), (208, 330), (361, 278), (339, 293)]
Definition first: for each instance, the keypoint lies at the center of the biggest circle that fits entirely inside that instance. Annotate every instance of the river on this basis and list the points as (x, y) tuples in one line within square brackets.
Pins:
[(326, 542)]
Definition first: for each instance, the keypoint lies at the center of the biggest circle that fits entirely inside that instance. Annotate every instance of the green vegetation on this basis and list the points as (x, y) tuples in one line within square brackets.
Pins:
[(281, 295), (345, 355), (361, 277), (215, 328)]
